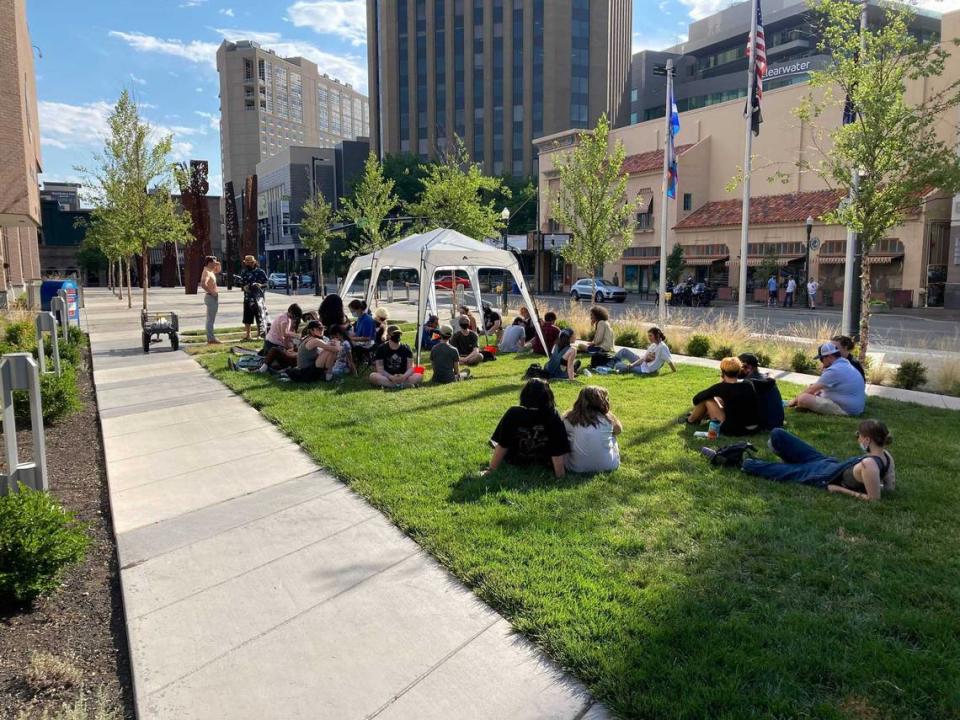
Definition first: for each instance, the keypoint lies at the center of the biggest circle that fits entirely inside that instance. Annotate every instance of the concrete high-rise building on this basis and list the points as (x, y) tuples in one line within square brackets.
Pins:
[(19, 152), (268, 103), (497, 73)]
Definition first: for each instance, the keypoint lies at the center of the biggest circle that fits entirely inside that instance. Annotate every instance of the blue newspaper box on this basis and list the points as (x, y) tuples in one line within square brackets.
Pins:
[(49, 290)]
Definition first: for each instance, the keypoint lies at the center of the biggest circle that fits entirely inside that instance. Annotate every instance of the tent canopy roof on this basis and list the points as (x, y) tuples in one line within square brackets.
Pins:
[(440, 248)]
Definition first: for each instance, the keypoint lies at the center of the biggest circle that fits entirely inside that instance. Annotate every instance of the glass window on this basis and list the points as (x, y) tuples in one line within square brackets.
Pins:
[(688, 201)]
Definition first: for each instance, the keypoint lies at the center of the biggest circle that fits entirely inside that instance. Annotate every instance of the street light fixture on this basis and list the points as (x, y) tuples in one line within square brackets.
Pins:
[(806, 262), (505, 216)]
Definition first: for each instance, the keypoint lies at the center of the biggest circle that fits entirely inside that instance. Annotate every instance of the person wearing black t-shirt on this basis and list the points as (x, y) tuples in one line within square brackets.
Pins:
[(769, 400), (531, 433), (467, 343), (394, 363), (846, 346), (730, 402)]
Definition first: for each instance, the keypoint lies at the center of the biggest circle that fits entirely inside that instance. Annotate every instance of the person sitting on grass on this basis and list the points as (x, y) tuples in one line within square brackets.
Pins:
[(343, 363), (492, 322), (600, 348), (331, 311), (393, 363), (769, 400), (592, 430), (279, 347), (563, 363), (329, 349), (512, 339), (467, 343), (427, 339), (363, 331), (550, 332), (532, 432), (839, 390), (471, 318), (524, 320), (730, 402), (446, 360), (864, 477), (846, 345), (650, 361), (381, 318), (310, 345)]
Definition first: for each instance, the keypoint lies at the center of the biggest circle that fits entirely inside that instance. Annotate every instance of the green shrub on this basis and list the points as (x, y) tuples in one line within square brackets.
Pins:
[(39, 539), (762, 358), (910, 375), (563, 325), (68, 351), (76, 336), (630, 338), (22, 335), (723, 351), (60, 396), (698, 346), (803, 363)]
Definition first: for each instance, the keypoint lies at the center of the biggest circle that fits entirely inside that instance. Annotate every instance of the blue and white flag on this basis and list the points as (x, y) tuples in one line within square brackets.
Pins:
[(672, 173)]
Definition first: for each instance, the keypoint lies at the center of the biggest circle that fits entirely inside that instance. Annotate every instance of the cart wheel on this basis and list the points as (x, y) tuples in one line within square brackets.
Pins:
[(146, 342), (175, 341)]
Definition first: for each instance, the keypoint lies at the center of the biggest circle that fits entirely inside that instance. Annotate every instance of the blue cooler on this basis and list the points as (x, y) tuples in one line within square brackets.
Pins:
[(49, 290)]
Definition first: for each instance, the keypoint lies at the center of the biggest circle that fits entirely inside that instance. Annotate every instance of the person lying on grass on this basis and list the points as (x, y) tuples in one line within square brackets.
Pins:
[(563, 363), (864, 477), (731, 402), (446, 360), (648, 363), (393, 362), (532, 432), (592, 430)]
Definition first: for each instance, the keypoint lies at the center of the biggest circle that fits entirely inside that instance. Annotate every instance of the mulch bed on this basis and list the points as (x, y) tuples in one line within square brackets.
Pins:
[(81, 623)]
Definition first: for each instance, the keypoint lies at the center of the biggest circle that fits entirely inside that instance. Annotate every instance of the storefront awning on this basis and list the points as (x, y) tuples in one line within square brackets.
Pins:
[(699, 261), (872, 259), (644, 261), (758, 261)]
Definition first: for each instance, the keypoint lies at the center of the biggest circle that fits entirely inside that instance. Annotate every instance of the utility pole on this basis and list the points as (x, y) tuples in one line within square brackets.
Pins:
[(852, 269), (668, 105), (747, 161)]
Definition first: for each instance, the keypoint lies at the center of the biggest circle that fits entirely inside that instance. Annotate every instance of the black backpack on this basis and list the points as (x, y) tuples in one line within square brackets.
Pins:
[(730, 455), (536, 371)]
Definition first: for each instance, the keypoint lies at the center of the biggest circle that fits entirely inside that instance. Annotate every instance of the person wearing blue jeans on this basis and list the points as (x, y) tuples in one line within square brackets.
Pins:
[(863, 476)]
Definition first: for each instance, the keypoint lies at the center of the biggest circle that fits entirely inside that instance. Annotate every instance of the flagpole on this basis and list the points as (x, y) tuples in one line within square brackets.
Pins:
[(747, 169), (662, 310)]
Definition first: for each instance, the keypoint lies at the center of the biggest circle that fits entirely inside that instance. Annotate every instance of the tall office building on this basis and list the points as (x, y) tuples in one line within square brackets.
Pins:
[(268, 103), (497, 73)]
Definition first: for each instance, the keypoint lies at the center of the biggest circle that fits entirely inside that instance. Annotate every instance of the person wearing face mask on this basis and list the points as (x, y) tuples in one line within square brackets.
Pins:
[(394, 363), (467, 343), (864, 477)]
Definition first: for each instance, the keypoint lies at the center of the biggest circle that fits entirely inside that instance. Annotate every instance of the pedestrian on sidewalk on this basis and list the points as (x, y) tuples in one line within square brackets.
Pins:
[(211, 298), (772, 289), (812, 287), (789, 293)]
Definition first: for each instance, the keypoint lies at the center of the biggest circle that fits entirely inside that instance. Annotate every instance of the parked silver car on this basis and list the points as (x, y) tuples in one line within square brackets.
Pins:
[(606, 292)]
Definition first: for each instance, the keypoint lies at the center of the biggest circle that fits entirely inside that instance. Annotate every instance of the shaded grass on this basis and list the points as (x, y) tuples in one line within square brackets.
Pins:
[(671, 588)]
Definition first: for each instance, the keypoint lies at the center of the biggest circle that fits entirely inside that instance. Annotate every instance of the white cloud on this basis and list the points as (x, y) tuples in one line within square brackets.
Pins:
[(194, 50), (700, 9), (226, 11), (347, 68), (346, 18), (137, 80), (192, 3), (212, 118), (942, 6), (659, 40)]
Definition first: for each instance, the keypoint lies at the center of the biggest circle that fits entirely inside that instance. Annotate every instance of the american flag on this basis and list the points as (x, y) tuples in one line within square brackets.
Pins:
[(761, 70)]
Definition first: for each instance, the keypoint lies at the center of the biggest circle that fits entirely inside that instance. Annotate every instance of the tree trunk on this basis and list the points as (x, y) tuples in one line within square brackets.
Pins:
[(318, 276), (129, 285), (120, 271), (110, 275), (593, 294), (864, 307), (145, 271)]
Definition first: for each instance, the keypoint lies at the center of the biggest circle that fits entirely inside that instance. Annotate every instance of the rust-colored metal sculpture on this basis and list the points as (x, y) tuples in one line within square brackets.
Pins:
[(168, 266), (248, 242), (193, 195), (231, 263)]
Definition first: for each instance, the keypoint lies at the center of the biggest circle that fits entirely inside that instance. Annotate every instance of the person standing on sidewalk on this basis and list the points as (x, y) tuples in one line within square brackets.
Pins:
[(253, 280), (211, 298), (789, 293), (812, 287), (772, 289)]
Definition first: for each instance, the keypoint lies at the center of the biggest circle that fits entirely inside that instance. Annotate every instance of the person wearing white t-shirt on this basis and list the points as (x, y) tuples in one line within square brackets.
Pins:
[(812, 287), (789, 293), (648, 363), (593, 431)]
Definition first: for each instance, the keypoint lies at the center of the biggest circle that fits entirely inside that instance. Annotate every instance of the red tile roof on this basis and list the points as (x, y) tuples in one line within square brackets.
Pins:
[(765, 210), (649, 161)]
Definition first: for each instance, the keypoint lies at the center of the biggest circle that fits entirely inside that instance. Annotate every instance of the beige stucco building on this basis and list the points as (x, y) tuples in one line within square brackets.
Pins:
[(909, 267), (19, 152)]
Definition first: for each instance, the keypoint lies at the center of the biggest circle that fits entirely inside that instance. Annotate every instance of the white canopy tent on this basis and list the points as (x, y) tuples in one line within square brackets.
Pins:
[(439, 250)]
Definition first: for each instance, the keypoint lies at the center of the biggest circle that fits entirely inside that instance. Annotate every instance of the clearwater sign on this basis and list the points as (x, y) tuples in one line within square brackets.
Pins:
[(789, 69)]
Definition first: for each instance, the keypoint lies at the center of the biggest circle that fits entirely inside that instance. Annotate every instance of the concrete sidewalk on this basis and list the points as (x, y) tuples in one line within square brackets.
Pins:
[(257, 586)]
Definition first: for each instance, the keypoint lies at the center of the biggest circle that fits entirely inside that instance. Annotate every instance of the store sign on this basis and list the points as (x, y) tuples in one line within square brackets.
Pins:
[(555, 241), (793, 68)]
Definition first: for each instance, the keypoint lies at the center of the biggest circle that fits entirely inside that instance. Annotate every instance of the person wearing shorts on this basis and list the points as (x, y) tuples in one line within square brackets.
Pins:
[(838, 391)]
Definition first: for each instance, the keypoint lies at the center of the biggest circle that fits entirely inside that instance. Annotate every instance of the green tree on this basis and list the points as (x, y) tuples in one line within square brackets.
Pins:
[(893, 143), (675, 263), (521, 199), (131, 184), (407, 173), (457, 195), (368, 208), (769, 265), (592, 203), (316, 231)]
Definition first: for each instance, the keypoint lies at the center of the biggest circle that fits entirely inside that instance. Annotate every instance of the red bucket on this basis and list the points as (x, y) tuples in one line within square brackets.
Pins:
[(419, 370), (492, 349)]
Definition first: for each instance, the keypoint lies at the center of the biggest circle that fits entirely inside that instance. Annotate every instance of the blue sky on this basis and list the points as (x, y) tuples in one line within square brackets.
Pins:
[(164, 52)]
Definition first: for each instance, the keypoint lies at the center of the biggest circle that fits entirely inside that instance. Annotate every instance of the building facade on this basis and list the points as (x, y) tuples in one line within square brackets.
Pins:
[(711, 66), (268, 103), (496, 73), (286, 181), (910, 267), (19, 153), (62, 232)]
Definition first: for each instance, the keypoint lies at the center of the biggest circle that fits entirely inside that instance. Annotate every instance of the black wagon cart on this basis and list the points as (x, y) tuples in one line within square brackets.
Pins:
[(156, 324)]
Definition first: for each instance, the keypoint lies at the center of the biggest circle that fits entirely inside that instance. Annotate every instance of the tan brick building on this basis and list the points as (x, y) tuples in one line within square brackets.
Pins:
[(19, 152)]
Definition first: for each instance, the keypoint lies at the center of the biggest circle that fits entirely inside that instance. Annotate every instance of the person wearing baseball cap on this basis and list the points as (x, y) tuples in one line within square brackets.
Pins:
[(393, 361), (445, 359), (253, 280), (769, 400), (838, 391)]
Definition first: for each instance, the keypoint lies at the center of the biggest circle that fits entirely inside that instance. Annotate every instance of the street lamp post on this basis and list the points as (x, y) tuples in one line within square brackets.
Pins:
[(505, 216), (806, 262)]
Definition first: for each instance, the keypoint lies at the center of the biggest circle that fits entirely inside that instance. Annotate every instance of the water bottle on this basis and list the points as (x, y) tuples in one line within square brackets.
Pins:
[(713, 430)]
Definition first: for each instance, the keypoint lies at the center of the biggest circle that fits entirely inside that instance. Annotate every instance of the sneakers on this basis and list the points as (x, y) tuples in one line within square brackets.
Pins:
[(586, 373), (465, 373), (684, 419), (231, 365)]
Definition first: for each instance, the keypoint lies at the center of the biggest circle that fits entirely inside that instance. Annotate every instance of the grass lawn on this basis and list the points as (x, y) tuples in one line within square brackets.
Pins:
[(670, 588)]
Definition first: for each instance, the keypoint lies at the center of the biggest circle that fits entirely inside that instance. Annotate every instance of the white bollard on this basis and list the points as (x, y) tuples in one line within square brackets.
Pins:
[(18, 371), (46, 322)]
